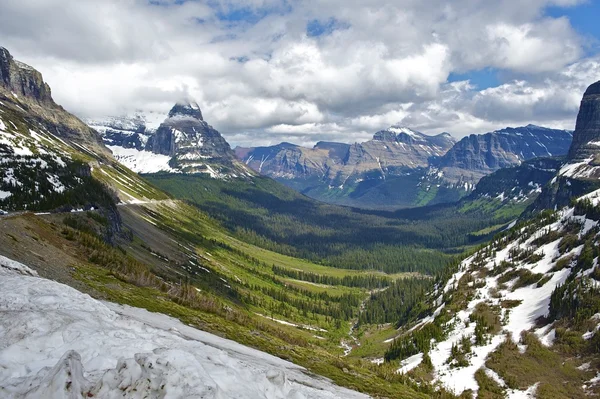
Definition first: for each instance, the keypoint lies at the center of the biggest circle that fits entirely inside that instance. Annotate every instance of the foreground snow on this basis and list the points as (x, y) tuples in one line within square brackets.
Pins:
[(56, 342)]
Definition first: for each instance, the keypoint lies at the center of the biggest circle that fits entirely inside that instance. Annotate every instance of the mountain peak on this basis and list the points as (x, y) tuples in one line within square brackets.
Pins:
[(593, 89), (393, 132), (21, 79), (587, 128), (186, 108)]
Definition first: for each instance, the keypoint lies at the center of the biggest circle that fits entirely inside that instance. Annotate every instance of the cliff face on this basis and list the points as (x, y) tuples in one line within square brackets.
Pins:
[(190, 141), (22, 79), (586, 139), (22, 88), (390, 152), (580, 173)]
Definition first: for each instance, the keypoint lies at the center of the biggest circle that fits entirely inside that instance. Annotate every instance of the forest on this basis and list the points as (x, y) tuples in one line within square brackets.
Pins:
[(267, 214)]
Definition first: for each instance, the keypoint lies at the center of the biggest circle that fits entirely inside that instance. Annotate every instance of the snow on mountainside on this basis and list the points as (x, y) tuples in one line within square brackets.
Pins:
[(177, 142), (57, 342), (504, 290)]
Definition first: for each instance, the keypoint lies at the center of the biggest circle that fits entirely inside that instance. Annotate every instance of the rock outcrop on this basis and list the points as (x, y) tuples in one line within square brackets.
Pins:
[(586, 139), (23, 91)]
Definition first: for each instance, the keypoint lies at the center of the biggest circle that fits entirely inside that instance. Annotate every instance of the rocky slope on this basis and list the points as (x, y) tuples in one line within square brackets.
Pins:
[(180, 142), (519, 317), (49, 159), (478, 155), (24, 92), (400, 167)]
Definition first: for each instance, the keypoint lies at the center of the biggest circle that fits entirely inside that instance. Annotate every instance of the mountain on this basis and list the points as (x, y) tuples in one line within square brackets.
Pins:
[(586, 140), (182, 142), (520, 183), (581, 170), (24, 92), (400, 167), (387, 154), (127, 131), (49, 158), (478, 155), (505, 316)]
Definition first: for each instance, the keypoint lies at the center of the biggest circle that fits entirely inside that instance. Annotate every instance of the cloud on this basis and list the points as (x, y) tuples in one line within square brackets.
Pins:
[(271, 70)]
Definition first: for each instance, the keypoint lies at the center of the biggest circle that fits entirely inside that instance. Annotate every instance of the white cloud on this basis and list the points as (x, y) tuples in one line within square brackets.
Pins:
[(261, 79)]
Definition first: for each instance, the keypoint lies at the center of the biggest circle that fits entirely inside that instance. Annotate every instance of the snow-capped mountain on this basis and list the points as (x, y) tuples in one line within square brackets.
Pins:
[(180, 142), (60, 343), (128, 131)]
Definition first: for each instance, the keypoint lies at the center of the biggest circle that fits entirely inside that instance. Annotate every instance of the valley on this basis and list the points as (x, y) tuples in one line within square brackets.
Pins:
[(476, 277)]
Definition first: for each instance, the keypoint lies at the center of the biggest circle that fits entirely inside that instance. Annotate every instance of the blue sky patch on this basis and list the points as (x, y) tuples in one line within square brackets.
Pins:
[(482, 78), (318, 27)]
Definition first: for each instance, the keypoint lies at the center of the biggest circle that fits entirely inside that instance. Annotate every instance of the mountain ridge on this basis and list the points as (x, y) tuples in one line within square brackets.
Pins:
[(401, 167)]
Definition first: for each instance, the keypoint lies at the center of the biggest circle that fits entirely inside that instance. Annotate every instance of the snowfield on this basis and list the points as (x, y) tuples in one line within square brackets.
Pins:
[(56, 342)]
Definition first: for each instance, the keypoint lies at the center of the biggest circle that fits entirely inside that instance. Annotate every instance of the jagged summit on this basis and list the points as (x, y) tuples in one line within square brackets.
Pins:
[(183, 142), (403, 134), (186, 108)]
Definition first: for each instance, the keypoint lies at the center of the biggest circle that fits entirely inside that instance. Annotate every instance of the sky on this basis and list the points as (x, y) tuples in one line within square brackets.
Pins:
[(301, 71)]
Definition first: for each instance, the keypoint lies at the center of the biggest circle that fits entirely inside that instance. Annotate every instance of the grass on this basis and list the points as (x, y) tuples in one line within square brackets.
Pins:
[(557, 377), (357, 376)]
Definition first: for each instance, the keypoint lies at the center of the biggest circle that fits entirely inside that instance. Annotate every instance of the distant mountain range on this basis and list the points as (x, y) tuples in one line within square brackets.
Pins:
[(401, 167)]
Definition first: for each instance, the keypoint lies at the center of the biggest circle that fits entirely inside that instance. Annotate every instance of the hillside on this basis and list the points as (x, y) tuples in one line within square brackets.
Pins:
[(143, 354), (400, 167), (520, 315)]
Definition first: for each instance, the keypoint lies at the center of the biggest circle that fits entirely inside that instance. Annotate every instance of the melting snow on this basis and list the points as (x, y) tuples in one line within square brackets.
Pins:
[(57, 342), (141, 161)]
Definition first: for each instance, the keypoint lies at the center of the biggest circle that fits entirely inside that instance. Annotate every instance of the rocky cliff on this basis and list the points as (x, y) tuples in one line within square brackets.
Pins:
[(402, 167), (390, 152), (23, 90), (580, 173), (586, 140)]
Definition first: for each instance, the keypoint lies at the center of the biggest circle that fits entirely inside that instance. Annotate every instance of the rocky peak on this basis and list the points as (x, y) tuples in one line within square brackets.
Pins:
[(586, 138), (186, 109), (21, 79), (398, 133)]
